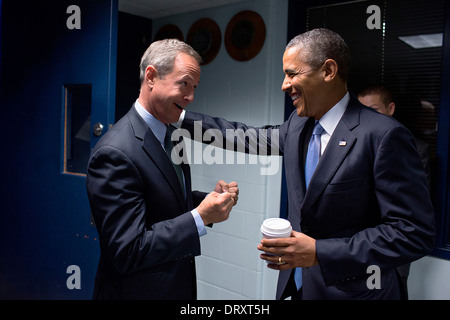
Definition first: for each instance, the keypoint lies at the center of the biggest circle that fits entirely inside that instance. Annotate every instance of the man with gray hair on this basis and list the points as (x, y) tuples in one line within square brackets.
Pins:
[(148, 219), (358, 201)]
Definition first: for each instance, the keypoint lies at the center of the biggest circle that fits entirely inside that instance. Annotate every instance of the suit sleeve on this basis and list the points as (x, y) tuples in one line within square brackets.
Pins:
[(115, 191), (197, 197), (236, 136), (405, 228)]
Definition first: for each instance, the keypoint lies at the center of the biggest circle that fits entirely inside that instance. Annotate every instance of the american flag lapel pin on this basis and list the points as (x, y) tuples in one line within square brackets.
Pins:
[(342, 143)]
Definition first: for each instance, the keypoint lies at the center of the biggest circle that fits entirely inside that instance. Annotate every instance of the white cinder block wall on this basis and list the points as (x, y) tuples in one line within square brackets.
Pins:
[(250, 92)]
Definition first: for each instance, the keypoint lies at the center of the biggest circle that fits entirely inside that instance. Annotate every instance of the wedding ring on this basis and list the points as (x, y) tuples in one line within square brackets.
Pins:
[(279, 260)]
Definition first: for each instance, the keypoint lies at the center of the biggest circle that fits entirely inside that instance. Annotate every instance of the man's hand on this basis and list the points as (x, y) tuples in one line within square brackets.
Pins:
[(217, 205), (231, 187), (297, 251)]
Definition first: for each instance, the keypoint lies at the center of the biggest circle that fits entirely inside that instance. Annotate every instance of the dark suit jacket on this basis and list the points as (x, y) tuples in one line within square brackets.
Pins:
[(148, 237), (367, 203)]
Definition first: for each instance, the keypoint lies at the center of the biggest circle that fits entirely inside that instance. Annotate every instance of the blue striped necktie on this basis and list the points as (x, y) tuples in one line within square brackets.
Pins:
[(312, 158), (313, 155)]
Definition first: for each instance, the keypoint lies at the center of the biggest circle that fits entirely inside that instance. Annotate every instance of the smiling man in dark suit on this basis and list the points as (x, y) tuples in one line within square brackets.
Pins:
[(148, 219), (357, 194)]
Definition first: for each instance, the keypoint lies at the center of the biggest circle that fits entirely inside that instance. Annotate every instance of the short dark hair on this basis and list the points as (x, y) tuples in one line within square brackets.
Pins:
[(322, 44), (380, 89)]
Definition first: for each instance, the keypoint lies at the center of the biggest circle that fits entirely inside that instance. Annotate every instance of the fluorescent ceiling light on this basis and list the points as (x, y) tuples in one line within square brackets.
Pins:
[(423, 40)]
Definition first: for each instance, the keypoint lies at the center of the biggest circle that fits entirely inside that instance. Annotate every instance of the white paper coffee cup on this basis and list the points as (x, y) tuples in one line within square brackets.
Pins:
[(276, 228)]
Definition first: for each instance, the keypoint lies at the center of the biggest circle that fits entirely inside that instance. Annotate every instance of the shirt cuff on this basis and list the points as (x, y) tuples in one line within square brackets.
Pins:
[(199, 223), (180, 119)]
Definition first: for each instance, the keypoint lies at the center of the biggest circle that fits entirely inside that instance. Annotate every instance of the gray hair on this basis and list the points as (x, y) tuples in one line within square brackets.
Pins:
[(320, 45), (162, 53)]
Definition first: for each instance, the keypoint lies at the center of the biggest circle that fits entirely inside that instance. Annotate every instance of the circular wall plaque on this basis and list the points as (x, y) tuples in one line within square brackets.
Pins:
[(169, 31), (245, 35), (204, 36)]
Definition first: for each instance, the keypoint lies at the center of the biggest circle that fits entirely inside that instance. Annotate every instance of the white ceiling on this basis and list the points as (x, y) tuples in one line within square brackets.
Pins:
[(160, 8)]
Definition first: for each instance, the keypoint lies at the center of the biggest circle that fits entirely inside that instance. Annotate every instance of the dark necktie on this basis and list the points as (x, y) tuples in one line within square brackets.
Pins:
[(168, 146)]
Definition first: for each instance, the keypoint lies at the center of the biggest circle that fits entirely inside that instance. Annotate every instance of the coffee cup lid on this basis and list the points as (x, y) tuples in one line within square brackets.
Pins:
[(276, 226)]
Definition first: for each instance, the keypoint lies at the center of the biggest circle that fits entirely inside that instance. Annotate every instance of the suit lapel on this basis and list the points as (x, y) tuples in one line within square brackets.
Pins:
[(338, 147), (153, 148)]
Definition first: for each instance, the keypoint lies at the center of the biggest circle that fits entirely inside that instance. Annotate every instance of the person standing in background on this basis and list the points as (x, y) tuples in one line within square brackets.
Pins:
[(379, 97)]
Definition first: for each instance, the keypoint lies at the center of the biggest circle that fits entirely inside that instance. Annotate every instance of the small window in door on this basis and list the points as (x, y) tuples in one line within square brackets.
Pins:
[(77, 127)]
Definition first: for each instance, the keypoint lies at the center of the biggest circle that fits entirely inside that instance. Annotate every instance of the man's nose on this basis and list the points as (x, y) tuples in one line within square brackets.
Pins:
[(286, 85), (189, 97)]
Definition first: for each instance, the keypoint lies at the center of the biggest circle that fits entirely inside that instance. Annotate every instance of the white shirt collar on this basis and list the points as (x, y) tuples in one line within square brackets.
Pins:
[(330, 119)]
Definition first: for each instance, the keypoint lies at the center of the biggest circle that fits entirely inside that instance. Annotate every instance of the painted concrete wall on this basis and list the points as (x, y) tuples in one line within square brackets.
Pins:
[(250, 92)]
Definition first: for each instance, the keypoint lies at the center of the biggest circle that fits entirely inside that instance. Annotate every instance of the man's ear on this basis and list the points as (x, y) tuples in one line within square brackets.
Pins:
[(330, 67), (391, 108), (150, 75)]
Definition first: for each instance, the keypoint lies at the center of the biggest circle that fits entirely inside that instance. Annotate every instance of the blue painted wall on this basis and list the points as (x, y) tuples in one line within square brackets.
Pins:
[(45, 217)]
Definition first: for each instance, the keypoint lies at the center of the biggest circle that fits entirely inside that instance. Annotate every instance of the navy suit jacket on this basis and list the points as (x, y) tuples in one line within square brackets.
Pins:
[(148, 237), (367, 202)]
